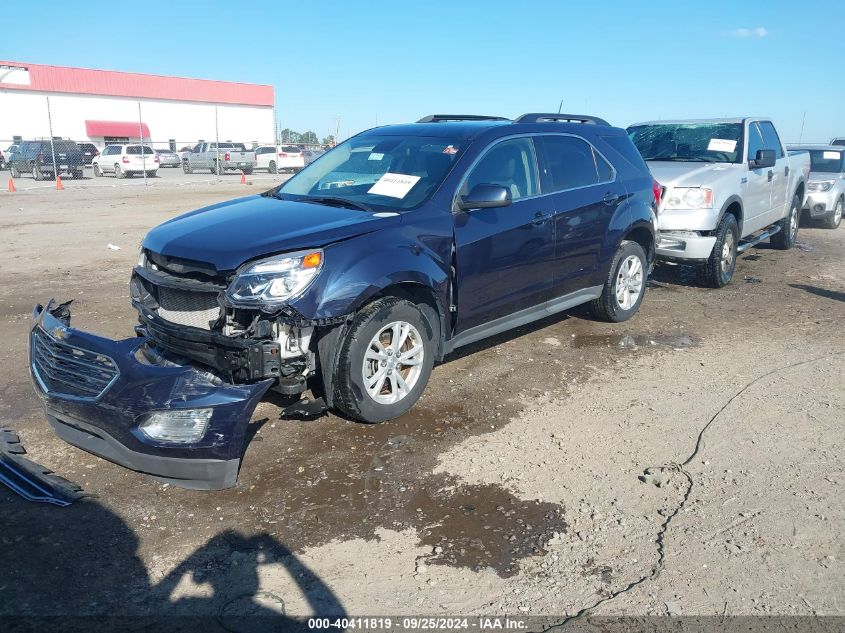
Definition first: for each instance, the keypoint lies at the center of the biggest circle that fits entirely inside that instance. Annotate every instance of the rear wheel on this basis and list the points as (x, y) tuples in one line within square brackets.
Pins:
[(385, 361), (624, 288), (271, 168), (718, 271), (217, 168), (36, 173), (834, 219), (118, 172), (77, 175), (97, 172), (248, 170), (187, 168), (788, 234)]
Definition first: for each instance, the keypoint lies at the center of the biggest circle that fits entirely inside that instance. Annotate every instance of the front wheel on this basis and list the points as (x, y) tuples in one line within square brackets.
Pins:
[(788, 234), (14, 171), (187, 168), (385, 361), (624, 288), (833, 220), (718, 271), (97, 172)]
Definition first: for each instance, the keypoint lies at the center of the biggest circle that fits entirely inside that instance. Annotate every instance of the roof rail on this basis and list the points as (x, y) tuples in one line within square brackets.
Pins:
[(540, 117), (437, 118)]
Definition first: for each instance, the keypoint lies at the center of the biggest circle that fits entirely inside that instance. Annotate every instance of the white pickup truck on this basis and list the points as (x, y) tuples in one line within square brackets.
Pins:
[(727, 185), (218, 157)]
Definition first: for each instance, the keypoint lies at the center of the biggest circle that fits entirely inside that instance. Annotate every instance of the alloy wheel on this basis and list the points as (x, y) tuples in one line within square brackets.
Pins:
[(629, 282), (393, 362)]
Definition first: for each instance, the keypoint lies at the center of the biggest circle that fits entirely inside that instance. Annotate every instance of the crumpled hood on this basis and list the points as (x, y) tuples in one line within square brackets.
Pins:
[(670, 174), (230, 233)]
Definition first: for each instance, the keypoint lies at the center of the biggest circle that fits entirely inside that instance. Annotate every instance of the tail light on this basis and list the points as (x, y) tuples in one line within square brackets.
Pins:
[(125, 159), (656, 189), (157, 159), (227, 156), (282, 155)]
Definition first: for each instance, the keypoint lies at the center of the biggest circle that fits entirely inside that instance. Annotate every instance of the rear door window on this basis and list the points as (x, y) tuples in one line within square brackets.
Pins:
[(572, 163)]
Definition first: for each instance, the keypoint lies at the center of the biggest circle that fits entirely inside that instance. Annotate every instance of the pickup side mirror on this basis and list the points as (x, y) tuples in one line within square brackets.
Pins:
[(486, 197), (765, 158)]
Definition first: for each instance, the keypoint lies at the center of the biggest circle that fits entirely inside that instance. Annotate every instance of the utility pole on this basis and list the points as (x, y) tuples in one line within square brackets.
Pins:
[(803, 118), (143, 147), (337, 129), (52, 147)]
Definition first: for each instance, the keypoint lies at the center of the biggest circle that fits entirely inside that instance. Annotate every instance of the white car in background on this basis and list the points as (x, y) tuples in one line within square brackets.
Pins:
[(126, 160), (279, 158)]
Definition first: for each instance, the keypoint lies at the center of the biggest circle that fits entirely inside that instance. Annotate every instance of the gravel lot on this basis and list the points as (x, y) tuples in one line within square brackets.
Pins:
[(513, 487)]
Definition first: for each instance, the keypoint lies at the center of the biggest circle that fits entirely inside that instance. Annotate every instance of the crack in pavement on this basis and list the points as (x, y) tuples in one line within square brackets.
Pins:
[(680, 468)]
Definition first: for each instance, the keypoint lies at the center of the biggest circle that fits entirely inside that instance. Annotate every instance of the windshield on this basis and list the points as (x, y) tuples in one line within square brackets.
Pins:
[(825, 161), (688, 142), (389, 172)]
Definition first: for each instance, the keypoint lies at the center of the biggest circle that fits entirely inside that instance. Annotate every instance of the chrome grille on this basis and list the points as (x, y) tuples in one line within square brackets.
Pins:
[(195, 309), (63, 369)]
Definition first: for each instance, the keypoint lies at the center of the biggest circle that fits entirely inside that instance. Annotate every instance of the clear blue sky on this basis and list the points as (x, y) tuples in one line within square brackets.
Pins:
[(393, 62)]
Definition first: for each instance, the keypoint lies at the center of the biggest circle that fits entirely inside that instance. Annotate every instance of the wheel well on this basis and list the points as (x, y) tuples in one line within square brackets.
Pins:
[(644, 238), (424, 297), (800, 192), (735, 210)]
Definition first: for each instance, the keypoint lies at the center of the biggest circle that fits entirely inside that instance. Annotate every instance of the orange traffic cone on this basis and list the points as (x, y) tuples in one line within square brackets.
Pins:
[(59, 186), (12, 185), (243, 177)]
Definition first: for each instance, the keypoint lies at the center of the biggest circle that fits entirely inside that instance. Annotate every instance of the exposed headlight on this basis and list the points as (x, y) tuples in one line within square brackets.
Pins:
[(180, 426), (272, 281), (689, 198), (820, 185)]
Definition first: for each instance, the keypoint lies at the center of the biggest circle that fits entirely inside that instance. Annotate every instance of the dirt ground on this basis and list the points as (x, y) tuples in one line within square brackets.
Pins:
[(514, 486)]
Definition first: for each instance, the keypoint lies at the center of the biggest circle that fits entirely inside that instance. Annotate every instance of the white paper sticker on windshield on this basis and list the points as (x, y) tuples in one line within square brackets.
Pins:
[(831, 155), (394, 185), (721, 145), (375, 156)]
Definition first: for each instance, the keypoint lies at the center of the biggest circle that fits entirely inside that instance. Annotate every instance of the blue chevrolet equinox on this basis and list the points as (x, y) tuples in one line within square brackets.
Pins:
[(351, 279)]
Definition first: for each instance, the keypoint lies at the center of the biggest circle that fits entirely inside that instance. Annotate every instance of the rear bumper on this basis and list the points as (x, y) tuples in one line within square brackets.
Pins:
[(685, 246), (107, 423)]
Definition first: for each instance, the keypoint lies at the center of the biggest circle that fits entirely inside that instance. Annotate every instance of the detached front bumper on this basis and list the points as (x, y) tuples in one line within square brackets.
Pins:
[(97, 392), (684, 245)]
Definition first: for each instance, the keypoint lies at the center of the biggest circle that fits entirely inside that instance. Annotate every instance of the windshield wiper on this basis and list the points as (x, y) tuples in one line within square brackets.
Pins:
[(339, 202)]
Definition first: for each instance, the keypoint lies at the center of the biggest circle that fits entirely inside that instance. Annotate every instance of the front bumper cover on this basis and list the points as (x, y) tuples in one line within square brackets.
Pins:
[(107, 424)]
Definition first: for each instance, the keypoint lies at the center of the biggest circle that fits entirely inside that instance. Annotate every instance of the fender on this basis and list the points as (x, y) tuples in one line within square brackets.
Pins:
[(630, 215), (733, 199)]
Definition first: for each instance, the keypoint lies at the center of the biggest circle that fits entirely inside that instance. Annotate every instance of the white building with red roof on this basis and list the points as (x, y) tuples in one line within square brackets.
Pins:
[(102, 106)]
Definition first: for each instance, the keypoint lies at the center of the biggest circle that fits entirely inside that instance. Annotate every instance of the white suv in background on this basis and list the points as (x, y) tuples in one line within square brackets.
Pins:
[(276, 159), (126, 160)]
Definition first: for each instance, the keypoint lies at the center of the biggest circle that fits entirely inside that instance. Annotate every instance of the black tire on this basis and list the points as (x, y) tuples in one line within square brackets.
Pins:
[(214, 167), (36, 173), (350, 395), (14, 171), (151, 174), (719, 269), (607, 307), (248, 171), (187, 168), (834, 218), (78, 175), (118, 172), (788, 234), (271, 168), (97, 172)]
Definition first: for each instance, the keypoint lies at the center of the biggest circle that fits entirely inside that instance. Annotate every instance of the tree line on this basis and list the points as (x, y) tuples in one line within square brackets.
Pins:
[(307, 138)]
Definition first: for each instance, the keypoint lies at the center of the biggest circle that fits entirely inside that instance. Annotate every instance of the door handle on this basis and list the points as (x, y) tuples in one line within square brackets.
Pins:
[(610, 198), (786, 170), (540, 218), (771, 175)]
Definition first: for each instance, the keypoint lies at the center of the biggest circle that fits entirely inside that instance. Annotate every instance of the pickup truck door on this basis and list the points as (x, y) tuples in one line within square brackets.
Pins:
[(780, 173), (585, 196), (504, 255), (758, 190), (196, 156)]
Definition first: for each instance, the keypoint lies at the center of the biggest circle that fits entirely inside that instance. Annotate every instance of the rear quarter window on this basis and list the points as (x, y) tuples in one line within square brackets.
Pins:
[(624, 148)]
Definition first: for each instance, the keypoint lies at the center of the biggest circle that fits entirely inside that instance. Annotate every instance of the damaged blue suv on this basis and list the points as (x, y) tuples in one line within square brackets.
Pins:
[(351, 279)]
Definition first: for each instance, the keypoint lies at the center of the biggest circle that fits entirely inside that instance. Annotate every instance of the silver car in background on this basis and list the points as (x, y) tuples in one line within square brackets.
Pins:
[(168, 158), (826, 186)]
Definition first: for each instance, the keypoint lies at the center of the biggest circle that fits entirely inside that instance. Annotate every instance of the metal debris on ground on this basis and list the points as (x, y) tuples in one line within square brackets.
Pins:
[(32, 481)]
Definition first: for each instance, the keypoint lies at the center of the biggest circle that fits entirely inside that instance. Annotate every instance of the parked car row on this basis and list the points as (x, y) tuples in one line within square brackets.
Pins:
[(399, 246)]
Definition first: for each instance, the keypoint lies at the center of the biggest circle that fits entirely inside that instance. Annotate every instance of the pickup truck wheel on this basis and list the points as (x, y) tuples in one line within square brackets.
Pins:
[(718, 271), (14, 171), (248, 171), (385, 361), (788, 234), (833, 220), (271, 168), (625, 285), (214, 168), (36, 173), (187, 168)]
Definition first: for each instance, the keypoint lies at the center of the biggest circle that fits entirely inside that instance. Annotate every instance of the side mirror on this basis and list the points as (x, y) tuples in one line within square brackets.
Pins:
[(765, 158), (486, 197)]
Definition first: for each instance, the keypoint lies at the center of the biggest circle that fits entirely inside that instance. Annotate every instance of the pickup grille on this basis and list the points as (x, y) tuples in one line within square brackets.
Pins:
[(194, 309), (66, 370)]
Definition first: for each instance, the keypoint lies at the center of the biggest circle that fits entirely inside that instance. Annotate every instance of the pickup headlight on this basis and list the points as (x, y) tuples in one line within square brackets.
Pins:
[(272, 281), (689, 198), (820, 185)]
